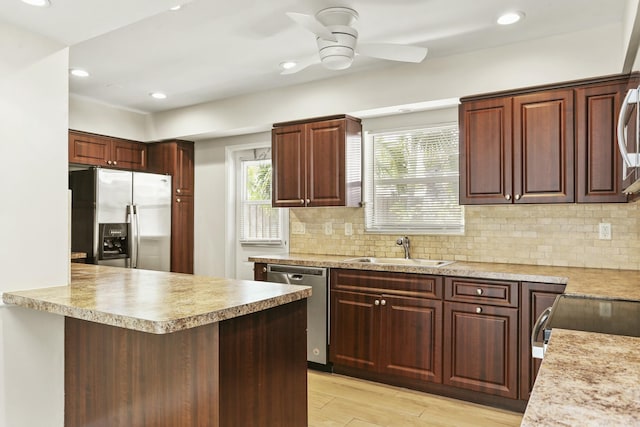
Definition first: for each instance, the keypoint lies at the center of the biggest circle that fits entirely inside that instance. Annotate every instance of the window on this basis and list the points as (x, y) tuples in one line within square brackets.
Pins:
[(259, 223), (411, 180)]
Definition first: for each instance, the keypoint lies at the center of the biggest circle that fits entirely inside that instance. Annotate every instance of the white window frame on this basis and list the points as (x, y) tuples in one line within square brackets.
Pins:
[(374, 221), (241, 200)]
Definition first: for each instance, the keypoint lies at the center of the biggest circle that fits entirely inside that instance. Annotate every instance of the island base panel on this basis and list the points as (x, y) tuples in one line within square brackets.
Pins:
[(247, 371)]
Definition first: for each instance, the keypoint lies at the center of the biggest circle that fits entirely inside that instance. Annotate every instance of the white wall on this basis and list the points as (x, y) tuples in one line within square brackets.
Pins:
[(566, 57), (34, 214), (91, 116)]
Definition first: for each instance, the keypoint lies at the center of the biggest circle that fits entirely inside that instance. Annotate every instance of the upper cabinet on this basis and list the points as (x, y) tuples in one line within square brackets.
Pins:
[(555, 144), (517, 149), (317, 162), (98, 150)]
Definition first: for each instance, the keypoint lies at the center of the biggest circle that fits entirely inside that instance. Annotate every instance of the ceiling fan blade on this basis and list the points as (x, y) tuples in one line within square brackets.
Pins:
[(393, 52), (312, 24), (302, 64)]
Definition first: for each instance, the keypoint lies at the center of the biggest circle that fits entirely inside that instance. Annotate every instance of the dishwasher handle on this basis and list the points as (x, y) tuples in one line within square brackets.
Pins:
[(296, 277)]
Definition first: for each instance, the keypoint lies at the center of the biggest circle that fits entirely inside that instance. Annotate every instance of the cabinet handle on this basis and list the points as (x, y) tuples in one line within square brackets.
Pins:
[(479, 291), (264, 269), (178, 191), (383, 302), (308, 201), (108, 162), (507, 196), (376, 302), (178, 200), (478, 309), (115, 163), (518, 196), (302, 201)]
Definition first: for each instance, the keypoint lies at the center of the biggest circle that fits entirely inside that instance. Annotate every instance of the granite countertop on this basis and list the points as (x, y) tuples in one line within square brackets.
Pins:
[(587, 379), (154, 301), (602, 283)]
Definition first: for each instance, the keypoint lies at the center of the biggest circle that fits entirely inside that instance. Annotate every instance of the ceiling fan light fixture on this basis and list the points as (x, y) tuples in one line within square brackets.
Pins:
[(337, 62), (38, 3), (510, 18)]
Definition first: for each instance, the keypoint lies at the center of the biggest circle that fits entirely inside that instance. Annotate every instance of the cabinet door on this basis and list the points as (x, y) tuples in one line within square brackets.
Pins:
[(536, 297), (325, 157), (599, 165), (128, 155), (184, 172), (289, 170), (182, 235), (543, 149), (411, 338), (355, 330), (89, 149), (260, 272), (481, 348), (485, 152)]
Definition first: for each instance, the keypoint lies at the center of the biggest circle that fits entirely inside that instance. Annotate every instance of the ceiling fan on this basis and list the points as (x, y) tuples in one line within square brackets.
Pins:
[(338, 43)]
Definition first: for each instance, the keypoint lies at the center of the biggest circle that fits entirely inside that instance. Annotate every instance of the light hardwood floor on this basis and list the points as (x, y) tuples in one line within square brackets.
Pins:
[(336, 400)]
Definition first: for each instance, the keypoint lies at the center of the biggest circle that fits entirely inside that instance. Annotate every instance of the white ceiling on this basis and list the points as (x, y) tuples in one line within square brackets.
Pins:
[(213, 49)]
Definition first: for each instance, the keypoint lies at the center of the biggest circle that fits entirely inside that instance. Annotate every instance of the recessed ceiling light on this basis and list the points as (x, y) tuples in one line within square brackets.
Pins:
[(176, 7), (158, 95), (287, 65), (38, 3), (79, 72), (510, 18)]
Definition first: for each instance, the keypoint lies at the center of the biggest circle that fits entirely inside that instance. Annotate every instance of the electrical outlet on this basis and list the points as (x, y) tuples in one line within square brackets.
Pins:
[(328, 228), (348, 229), (298, 228), (605, 231)]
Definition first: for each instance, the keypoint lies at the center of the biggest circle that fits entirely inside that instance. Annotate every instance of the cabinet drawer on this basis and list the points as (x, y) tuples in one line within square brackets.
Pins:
[(418, 285), (493, 292)]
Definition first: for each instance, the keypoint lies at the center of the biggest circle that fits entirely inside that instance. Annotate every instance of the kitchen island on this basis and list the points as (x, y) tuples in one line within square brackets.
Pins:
[(150, 348)]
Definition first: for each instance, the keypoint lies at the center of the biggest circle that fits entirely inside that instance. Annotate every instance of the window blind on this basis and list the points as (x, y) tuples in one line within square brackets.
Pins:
[(411, 180)]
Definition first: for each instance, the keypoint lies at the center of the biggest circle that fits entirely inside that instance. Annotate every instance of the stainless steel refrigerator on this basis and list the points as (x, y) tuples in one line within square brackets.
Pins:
[(121, 218)]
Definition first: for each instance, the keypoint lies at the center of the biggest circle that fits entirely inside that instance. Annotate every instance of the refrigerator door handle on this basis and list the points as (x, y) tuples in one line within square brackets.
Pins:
[(130, 221), (137, 235)]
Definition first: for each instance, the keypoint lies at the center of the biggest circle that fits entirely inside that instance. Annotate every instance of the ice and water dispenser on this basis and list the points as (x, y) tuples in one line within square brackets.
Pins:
[(114, 241)]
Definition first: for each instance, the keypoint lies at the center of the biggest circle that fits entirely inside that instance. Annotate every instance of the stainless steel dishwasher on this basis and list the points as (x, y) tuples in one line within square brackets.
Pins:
[(317, 305)]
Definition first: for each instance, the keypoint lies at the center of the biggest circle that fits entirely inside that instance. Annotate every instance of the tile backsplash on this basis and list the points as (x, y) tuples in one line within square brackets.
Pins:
[(559, 235)]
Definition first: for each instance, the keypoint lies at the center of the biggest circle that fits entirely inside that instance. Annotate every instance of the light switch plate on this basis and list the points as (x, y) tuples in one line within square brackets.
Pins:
[(298, 228), (348, 229), (328, 228)]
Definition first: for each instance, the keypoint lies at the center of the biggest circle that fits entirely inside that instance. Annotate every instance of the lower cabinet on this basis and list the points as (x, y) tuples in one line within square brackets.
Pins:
[(536, 297), (382, 333), (481, 348)]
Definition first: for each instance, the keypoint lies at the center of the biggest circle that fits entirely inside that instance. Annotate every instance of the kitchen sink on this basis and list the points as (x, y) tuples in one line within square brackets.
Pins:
[(401, 261)]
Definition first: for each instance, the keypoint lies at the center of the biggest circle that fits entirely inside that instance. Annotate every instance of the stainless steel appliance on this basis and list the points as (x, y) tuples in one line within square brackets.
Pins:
[(578, 313), (121, 218), (317, 306), (629, 139)]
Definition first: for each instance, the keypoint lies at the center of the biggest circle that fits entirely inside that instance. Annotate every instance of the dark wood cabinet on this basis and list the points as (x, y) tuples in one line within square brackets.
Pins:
[(536, 297), (548, 144), (481, 335), (260, 272), (176, 158), (317, 162), (397, 332), (599, 165), (105, 151), (517, 149)]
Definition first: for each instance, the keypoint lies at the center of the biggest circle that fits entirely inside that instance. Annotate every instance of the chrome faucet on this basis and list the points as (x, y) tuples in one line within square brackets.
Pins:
[(404, 241)]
